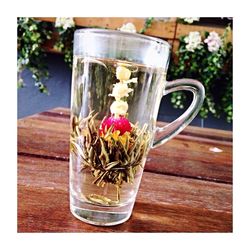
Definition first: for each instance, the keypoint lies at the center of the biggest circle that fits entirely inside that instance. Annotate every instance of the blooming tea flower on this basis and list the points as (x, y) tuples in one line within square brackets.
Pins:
[(193, 41), (213, 41), (64, 22), (128, 27)]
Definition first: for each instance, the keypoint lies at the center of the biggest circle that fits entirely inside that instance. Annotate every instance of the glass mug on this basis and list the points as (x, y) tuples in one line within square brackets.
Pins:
[(118, 81)]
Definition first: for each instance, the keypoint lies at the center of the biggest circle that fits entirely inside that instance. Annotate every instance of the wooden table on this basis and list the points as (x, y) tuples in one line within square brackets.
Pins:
[(186, 186)]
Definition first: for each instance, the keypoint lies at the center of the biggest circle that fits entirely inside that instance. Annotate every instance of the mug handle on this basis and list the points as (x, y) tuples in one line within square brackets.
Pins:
[(165, 133)]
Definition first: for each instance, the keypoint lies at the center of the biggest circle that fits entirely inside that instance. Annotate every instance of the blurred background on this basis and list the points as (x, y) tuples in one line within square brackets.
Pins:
[(201, 49)]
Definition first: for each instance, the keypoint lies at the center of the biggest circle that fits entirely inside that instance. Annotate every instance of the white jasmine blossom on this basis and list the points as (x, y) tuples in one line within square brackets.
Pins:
[(120, 90), (128, 27), (64, 22), (193, 41), (119, 107), (190, 19), (122, 73), (213, 41)]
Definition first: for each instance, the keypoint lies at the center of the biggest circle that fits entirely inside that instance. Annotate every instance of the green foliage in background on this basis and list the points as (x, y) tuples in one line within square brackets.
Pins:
[(31, 35), (213, 69), (64, 43), (147, 24)]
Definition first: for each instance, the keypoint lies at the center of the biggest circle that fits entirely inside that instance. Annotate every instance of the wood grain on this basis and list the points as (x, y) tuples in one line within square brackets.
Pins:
[(190, 154), (186, 186), (196, 205), (217, 134)]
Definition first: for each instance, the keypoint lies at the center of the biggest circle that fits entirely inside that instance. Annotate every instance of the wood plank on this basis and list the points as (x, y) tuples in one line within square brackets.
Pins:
[(109, 22), (175, 204), (169, 30), (47, 135), (186, 158), (105, 22), (165, 30), (209, 133), (217, 134), (160, 29), (175, 47)]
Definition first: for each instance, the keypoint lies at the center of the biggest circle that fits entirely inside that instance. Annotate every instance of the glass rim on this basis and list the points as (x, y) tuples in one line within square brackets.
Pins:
[(124, 34)]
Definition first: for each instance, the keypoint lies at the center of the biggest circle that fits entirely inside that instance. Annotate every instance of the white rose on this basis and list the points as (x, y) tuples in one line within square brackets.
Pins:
[(213, 41), (119, 108), (193, 41), (64, 22), (128, 27), (120, 90)]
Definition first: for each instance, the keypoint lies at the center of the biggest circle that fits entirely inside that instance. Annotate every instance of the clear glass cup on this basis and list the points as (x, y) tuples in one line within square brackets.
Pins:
[(118, 81)]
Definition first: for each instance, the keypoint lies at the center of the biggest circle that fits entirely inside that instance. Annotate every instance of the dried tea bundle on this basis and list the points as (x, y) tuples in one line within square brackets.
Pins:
[(111, 157)]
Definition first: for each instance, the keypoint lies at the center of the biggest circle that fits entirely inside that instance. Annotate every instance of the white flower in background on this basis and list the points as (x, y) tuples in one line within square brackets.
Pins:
[(190, 19), (193, 41), (65, 22), (25, 19), (21, 63), (119, 107), (128, 27), (120, 90), (213, 41)]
